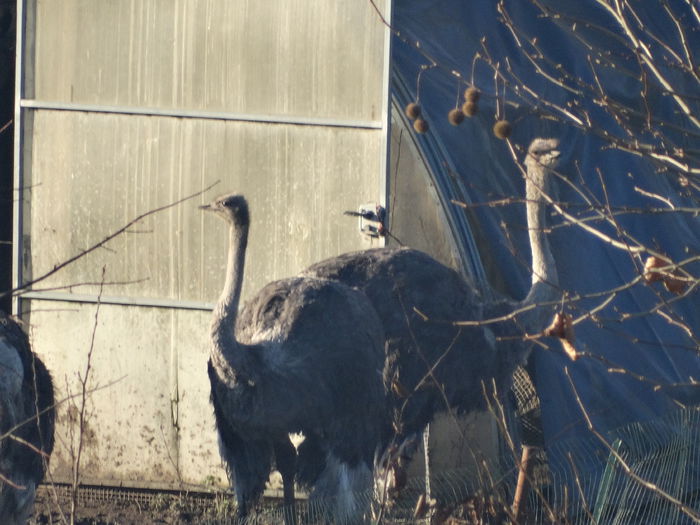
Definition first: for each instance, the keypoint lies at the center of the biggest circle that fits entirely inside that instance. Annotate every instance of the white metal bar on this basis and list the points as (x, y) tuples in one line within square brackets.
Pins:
[(119, 300), (198, 114), (385, 168), (17, 194)]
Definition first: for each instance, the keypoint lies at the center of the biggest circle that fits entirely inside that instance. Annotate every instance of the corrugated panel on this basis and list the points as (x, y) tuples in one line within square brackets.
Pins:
[(417, 218), (87, 173), (148, 417), (128, 433), (104, 170), (293, 58), (198, 452)]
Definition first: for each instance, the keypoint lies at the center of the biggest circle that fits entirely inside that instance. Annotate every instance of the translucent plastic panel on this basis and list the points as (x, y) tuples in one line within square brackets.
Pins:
[(90, 174), (320, 59), (458, 443), (128, 434), (198, 450), (417, 217)]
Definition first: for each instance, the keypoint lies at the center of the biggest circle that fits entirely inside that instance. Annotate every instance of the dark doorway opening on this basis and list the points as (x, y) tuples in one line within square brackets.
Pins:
[(7, 104)]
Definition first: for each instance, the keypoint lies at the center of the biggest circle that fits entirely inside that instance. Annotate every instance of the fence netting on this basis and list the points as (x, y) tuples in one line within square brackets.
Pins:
[(641, 473)]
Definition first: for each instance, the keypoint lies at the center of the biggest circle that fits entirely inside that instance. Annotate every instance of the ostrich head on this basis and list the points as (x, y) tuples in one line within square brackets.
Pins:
[(542, 155), (232, 208)]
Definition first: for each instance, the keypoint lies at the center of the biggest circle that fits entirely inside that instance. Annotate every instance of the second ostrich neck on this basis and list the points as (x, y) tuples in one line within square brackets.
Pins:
[(227, 354), (545, 279)]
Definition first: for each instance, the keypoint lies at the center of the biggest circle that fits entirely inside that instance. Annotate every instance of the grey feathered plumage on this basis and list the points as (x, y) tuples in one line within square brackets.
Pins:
[(401, 288), (400, 280), (306, 356), (27, 414)]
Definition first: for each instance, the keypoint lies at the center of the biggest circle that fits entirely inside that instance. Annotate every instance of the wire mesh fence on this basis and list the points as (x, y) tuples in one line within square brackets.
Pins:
[(649, 473), (646, 473)]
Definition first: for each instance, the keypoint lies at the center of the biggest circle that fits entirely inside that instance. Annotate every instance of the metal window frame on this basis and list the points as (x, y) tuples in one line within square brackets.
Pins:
[(200, 114), (17, 165)]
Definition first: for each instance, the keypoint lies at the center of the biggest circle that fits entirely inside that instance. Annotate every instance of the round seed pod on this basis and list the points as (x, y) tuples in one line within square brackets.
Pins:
[(421, 125), (502, 129), (674, 285), (455, 117), (472, 94), (650, 275), (413, 111), (470, 108)]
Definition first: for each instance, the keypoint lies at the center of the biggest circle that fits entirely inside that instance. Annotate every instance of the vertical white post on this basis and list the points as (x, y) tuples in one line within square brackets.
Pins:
[(17, 194), (426, 453)]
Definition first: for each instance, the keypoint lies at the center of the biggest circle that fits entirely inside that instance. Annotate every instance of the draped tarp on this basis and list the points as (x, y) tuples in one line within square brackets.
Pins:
[(470, 164)]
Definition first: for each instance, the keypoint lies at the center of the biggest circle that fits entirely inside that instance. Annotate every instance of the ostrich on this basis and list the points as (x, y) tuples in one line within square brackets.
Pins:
[(305, 355), (26, 422), (407, 286)]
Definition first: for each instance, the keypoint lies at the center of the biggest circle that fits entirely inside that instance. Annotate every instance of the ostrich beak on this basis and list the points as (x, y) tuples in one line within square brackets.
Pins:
[(553, 158), (206, 207)]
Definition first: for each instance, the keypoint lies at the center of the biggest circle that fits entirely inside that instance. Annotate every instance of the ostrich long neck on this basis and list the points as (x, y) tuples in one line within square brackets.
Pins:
[(228, 355), (544, 271)]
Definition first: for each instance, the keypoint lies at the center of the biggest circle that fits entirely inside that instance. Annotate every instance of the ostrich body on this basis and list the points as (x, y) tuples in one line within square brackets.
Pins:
[(26, 413), (400, 283), (399, 280), (305, 356)]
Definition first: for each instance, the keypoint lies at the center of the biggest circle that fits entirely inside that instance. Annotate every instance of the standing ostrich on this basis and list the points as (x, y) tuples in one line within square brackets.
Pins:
[(431, 363), (26, 422), (304, 356)]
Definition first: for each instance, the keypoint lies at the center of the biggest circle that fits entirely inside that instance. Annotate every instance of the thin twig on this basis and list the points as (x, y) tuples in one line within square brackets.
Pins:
[(100, 244)]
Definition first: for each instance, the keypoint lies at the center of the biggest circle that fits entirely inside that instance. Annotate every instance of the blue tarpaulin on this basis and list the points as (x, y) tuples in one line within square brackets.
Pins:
[(438, 40)]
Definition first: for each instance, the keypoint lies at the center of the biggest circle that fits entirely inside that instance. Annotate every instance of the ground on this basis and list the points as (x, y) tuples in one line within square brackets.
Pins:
[(114, 506), (130, 508)]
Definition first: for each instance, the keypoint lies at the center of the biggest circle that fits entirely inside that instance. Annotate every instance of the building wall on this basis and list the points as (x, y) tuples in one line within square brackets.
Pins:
[(128, 106)]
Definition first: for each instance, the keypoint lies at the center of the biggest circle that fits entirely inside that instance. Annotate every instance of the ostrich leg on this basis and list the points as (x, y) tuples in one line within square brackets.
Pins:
[(285, 457)]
